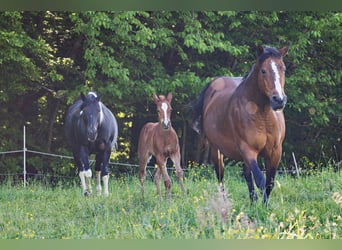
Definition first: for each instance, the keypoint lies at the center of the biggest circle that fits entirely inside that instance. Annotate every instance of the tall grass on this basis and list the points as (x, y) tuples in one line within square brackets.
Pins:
[(300, 208)]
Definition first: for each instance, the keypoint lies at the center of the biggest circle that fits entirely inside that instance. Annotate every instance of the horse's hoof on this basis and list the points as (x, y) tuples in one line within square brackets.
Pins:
[(87, 193)]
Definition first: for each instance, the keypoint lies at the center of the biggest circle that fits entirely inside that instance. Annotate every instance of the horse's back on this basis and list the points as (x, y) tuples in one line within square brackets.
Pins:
[(218, 93), (215, 118)]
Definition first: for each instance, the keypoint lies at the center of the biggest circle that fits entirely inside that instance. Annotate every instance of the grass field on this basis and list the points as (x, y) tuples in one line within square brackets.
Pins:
[(300, 208)]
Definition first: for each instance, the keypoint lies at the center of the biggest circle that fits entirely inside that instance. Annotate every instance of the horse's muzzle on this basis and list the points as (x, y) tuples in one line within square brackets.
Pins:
[(92, 135), (166, 125), (278, 103)]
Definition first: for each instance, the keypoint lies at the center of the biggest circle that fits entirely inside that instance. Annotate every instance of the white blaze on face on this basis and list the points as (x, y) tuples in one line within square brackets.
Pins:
[(164, 108), (277, 79), (93, 93)]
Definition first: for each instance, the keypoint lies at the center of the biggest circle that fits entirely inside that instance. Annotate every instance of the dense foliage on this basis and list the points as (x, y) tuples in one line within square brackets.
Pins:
[(48, 58)]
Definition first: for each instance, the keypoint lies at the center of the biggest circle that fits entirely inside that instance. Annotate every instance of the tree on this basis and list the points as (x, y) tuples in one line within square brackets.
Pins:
[(48, 58)]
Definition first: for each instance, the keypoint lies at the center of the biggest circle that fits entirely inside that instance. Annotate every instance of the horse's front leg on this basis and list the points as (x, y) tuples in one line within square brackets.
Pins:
[(258, 178), (248, 176), (157, 179), (167, 181), (85, 171), (271, 168), (179, 171)]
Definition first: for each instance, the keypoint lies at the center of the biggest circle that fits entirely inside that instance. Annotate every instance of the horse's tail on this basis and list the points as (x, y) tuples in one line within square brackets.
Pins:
[(197, 108)]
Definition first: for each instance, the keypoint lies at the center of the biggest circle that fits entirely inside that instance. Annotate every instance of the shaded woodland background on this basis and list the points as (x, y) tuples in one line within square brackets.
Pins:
[(47, 58)]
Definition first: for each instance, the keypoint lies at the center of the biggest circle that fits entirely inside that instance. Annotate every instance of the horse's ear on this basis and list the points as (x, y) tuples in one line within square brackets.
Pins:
[(98, 98), (82, 96), (155, 98), (260, 50), (283, 51), (169, 97)]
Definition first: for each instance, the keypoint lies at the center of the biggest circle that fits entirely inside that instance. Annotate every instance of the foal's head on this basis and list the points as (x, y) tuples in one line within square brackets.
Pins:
[(164, 109), (92, 114), (271, 75)]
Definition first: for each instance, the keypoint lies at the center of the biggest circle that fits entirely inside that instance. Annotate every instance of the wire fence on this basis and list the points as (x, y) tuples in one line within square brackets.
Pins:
[(128, 168), (26, 153), (25, 174), (131, 168)]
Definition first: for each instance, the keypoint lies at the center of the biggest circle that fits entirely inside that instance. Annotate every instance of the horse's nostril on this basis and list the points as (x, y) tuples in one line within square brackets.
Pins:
[(276, 98)]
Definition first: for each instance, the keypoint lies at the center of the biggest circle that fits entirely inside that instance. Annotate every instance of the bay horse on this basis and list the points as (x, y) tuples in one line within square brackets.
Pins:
[(160, 140), (91, 128), (242, 119)]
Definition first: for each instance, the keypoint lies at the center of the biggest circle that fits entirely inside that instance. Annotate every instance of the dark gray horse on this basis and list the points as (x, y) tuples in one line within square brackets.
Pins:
[(91, 128)]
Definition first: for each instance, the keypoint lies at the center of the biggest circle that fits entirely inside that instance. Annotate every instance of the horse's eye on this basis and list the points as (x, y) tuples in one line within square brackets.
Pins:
[(263, 71)]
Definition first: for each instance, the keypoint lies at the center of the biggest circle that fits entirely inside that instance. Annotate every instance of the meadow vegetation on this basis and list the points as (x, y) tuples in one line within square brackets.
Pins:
[(308, 207)]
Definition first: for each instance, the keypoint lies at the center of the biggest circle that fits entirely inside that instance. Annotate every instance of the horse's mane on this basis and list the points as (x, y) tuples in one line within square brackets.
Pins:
[(90, 98), (268, 52)]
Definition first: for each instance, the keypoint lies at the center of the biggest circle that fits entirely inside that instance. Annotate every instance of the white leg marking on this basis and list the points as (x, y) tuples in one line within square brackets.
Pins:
[(105, 185), (98, 182), (277, 79), (88, 175), (83, 183)]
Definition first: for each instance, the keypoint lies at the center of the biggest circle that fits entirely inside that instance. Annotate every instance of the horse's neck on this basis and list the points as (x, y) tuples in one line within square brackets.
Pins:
[(162, 132), (249, 91)]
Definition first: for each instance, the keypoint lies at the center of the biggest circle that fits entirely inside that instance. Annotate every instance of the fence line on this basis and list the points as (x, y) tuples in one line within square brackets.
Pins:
[(70, 157), (25, 151), (11, 152)]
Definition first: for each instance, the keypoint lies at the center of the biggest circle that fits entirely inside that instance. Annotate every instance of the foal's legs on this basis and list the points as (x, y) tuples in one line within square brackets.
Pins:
[(179, 172), (162, 171), (157, 179), (143, 159)]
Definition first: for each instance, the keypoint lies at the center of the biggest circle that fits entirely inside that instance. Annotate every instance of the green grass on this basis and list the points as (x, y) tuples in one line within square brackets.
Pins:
[(305, 207)]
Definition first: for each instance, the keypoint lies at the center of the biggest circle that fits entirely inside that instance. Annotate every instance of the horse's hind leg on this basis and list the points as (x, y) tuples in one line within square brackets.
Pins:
[(143, 159), (217, 159), (98, 163), (105, 171)]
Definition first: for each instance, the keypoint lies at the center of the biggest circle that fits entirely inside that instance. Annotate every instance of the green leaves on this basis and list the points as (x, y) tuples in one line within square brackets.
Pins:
[(128, 55)]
